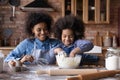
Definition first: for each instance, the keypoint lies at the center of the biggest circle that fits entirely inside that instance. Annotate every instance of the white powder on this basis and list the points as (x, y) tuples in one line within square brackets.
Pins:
[(112, 63), (67, 62)]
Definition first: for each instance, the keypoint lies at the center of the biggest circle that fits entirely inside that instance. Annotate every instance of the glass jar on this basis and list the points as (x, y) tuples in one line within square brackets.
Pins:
[(1, 60), (112, 60), (107, 40)]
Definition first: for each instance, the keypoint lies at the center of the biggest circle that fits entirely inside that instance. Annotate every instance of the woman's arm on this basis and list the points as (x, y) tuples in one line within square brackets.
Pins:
[(17, 53)]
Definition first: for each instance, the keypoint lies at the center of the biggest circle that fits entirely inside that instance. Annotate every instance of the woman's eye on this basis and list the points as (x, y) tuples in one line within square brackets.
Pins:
[(39, 30), (71, 36)]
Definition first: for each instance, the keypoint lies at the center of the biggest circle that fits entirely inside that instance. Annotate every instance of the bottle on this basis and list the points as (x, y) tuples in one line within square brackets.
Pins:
[(15, 42), (98, 39), (114, 42), (107, 40), (20, 38)]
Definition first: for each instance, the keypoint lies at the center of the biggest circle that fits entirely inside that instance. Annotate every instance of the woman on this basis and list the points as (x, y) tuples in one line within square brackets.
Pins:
[(37, 49)]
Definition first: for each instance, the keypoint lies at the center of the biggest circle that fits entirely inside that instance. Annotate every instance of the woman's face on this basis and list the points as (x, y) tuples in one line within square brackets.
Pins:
[(67, 37), (40, 30)]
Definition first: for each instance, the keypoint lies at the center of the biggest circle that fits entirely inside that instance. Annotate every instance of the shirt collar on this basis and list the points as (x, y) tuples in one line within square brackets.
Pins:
[(67, 46), (42, 42)]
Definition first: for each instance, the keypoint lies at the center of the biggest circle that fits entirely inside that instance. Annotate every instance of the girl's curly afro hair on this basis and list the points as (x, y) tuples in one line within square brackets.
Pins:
[(69, 22)]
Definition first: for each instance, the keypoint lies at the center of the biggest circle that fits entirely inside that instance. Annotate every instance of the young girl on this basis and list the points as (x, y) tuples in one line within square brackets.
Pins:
[(70, 30), (37, 48)]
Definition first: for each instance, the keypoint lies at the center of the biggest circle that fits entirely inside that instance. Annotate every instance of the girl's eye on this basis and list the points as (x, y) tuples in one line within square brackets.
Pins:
[(68, 36), (64, 36), (38, 30)]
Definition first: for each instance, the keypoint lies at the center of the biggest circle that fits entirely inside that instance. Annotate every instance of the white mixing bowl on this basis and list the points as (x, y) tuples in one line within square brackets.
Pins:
[(68, 62)]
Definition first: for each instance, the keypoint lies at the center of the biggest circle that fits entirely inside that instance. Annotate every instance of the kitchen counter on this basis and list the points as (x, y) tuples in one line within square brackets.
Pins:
[(29, 74), (6, 50)]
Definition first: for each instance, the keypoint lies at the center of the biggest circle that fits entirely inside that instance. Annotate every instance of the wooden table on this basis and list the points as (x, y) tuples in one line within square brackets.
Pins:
[(30, 74)]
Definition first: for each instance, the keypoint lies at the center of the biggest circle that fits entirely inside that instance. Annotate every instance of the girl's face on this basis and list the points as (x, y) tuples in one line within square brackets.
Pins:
[(67, 37), (40, 31)]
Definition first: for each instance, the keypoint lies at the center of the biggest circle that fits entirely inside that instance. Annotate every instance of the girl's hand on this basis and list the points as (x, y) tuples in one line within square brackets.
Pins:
[(71, 55), (57, 50), (74, 52), (27, 58)]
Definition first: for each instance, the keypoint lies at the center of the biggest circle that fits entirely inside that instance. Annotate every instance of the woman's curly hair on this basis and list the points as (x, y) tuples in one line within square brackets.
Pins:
[(69, 22), (35, 18)]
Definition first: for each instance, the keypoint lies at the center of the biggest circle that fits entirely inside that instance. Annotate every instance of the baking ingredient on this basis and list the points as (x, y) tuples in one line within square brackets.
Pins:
[(68, 62), (112, 63)]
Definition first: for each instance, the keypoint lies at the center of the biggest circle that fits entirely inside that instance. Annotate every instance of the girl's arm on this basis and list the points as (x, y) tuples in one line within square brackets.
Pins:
[(84, 45), (57, 50), (81, 46)]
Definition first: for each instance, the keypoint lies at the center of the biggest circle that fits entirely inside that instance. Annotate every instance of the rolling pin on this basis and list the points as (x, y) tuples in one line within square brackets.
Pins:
[(96, 75), (65, 72)]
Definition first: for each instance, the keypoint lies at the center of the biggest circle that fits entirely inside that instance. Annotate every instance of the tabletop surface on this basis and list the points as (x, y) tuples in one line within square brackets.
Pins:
[(28, 73)]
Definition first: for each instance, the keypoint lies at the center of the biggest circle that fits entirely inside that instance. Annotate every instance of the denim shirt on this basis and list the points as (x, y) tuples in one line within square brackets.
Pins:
[(84, 46), (27, 46)]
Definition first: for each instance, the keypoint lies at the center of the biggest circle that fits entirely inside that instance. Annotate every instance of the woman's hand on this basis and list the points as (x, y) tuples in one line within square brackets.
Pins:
[(27, 58), (74, 52), (12, 63)]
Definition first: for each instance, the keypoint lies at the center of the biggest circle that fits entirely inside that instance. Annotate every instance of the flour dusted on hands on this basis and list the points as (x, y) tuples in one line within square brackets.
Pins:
[(62, 54)]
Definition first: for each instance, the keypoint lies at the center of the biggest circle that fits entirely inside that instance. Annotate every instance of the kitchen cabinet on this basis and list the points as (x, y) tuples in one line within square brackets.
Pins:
[(67, 7), (90, 11)]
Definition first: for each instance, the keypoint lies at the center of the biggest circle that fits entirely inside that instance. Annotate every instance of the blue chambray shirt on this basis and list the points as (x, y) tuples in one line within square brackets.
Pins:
[(27, 45), (84, 45)]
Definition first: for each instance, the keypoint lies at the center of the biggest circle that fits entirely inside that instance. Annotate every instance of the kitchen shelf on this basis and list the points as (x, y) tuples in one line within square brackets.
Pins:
[(90, 11)]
